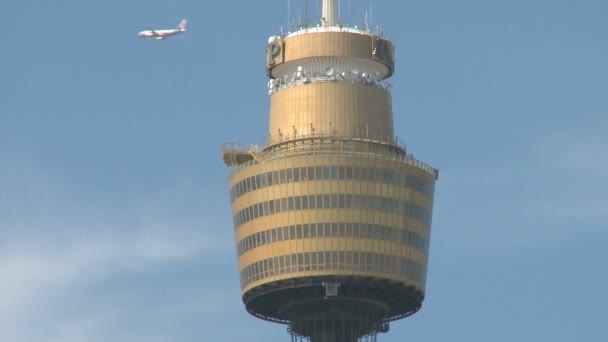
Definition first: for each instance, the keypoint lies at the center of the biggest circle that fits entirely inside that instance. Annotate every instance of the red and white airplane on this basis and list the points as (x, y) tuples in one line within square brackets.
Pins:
[(162, 34)]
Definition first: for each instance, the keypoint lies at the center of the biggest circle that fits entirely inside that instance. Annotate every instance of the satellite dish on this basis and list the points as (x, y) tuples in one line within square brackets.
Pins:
[(329, 71)]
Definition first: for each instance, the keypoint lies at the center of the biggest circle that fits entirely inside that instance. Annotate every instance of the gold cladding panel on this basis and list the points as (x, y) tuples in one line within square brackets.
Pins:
[(331, 215), (340, 109), (331, 244)]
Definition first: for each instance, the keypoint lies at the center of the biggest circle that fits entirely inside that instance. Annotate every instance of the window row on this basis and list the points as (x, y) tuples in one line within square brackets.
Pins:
[(334, 201), (333, 229), (309, 173), (334, 261)]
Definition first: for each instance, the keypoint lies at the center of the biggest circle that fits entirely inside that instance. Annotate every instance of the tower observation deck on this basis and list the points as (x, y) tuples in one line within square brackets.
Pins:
[(332, 217)]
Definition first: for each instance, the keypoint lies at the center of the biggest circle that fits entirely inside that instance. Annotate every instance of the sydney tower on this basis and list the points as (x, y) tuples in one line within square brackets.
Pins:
[(332, 217)]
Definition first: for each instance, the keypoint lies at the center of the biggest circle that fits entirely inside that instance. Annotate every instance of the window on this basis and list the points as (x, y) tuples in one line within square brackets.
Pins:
[(318, 172), (282, 179), (296, 175), (277, 205), (292, 232), (280, 234), (312, 202), (327, 229), (364, 173), (363, 231), (294, 260), (263, 180), (303, 173), (371, 175), (298, 202), (356, 202), (349, 172), (325, 172), (311, 173), (286, 233), (333, 172), (275, 177), (289, 175)]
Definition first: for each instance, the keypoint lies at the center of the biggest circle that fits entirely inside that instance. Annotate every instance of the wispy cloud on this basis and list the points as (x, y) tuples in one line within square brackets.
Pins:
[(70, 272)]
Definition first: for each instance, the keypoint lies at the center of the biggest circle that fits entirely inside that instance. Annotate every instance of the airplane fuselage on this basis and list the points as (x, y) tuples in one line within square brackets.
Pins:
[(159, 34), (162, 34)]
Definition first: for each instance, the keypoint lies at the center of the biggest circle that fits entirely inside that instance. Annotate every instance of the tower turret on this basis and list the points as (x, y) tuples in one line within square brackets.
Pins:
[(332, 218)]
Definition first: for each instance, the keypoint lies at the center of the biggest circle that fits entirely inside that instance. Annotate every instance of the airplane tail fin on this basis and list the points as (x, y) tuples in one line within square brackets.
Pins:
[(182, 25)]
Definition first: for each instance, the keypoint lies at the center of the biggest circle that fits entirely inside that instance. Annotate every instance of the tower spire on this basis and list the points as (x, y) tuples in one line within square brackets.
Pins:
[(330, 12)]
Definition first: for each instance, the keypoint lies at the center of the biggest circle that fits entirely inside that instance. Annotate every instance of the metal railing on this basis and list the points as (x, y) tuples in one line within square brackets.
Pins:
[(326, 145)]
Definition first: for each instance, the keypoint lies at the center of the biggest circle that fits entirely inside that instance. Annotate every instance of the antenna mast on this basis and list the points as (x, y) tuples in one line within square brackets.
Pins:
[(330, 13)]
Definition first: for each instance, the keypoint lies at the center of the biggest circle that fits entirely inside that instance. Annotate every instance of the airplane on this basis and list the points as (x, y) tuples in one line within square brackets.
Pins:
[(162, 34)]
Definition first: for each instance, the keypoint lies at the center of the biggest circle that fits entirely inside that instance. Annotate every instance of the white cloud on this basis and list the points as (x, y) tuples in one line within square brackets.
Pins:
[(41, 272), (67, 267)]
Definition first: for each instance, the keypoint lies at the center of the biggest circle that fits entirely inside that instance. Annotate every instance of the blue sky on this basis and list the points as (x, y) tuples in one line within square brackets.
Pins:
[(114, 212)]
